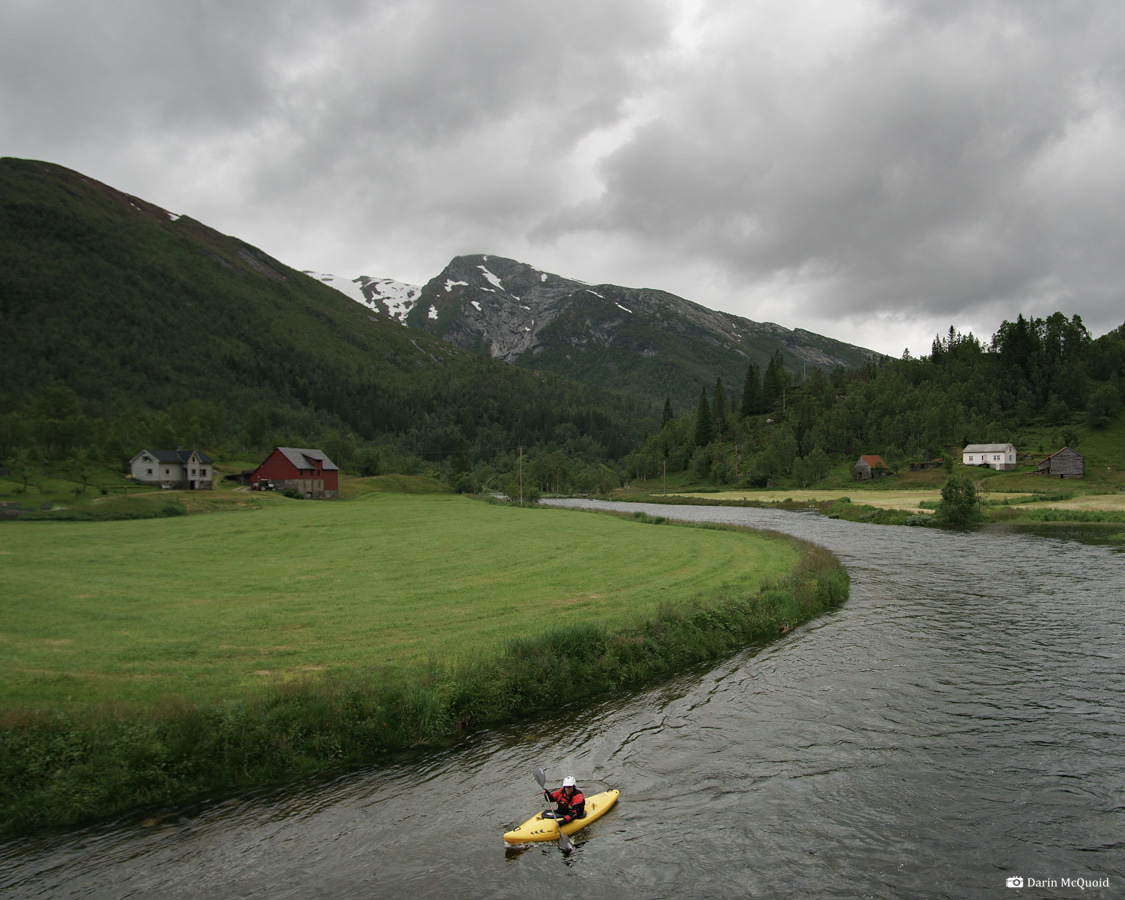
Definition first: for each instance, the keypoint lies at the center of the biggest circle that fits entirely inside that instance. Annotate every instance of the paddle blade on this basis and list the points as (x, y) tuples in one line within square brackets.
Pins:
[(565, 843), (541, 777)]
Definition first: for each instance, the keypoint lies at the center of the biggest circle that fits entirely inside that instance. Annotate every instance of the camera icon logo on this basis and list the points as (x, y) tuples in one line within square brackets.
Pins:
[(1014, 881)]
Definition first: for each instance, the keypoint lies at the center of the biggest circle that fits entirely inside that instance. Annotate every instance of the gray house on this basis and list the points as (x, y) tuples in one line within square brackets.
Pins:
[(184, 469), (1064, 463)]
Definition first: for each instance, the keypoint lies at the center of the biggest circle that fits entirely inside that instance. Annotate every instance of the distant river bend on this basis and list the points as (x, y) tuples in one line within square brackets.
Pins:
[(958, 722)]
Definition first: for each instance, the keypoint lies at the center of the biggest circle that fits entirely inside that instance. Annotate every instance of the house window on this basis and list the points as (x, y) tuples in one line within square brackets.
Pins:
[(193, 472), (165, 471), (148, 471), (996, 457)]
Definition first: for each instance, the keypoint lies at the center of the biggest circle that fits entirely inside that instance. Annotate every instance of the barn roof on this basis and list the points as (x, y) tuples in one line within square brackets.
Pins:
[(874, 461), (307, 459), (1063, 450)]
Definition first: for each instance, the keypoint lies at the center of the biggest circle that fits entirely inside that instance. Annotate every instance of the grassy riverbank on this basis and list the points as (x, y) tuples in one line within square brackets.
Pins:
[(910, 497), (154, 661)]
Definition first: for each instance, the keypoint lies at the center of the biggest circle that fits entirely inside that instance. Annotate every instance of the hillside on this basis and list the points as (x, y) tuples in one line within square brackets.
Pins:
[(638, 341), (1040, 384), (124, 325)]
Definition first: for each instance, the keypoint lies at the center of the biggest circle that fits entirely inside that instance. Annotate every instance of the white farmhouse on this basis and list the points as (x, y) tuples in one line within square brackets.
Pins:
[(186, 469), (996, 456)]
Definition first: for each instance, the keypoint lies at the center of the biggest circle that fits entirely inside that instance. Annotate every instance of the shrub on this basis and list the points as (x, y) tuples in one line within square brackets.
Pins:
[(959, 504)]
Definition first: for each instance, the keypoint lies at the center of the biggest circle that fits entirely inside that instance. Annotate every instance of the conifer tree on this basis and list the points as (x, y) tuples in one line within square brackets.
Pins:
[(703, 430), (773, 382), (752, 392), (719, 410), (668, 416)]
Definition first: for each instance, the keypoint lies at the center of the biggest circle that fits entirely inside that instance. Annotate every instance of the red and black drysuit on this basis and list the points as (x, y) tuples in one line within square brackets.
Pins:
[(569, 808)]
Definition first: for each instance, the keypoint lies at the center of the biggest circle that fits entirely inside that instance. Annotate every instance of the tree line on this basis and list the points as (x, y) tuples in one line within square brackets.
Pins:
[(779, 427)]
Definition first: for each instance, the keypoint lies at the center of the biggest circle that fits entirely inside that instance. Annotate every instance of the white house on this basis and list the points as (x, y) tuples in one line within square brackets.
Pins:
[(996, 456), (188, 469)]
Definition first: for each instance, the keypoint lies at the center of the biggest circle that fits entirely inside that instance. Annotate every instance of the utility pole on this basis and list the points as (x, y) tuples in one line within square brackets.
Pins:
[(521, 476), (665, 477)]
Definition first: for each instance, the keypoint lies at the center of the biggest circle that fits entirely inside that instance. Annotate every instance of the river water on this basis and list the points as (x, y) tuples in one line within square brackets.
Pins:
[(958, 722)]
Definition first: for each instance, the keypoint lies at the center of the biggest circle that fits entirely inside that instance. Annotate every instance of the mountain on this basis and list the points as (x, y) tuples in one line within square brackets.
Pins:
[(638, 341), (124, 325)]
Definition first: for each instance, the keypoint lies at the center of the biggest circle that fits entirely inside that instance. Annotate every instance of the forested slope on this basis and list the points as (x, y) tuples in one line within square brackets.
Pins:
[(124, 326), (1033, 375)]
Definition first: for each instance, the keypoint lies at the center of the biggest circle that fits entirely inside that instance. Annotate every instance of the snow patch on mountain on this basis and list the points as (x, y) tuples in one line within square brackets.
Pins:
[(384, 295), (492, 279), (396, 297), (352, 287)]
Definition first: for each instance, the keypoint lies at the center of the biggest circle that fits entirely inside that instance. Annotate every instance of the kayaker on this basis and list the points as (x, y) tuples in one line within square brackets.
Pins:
[(570, 804)]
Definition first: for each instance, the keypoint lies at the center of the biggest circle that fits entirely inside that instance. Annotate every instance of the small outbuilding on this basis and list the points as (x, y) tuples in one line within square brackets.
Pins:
[(870, 466), (996, 456), (1064, 463), (182, 469), (308, 472)]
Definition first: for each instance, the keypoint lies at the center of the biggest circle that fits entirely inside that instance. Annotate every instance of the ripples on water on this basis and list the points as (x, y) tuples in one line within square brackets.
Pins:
[(958, 721)]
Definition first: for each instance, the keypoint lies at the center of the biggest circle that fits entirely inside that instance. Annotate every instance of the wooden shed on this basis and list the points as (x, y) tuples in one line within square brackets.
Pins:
[(869, 466), (308, 472), (1064, 463)]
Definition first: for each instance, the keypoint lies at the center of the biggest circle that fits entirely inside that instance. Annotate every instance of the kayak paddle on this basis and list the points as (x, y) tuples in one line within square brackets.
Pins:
[(564, 842)]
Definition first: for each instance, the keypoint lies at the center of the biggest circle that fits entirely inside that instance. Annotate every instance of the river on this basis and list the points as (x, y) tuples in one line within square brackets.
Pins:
[(959, 722)]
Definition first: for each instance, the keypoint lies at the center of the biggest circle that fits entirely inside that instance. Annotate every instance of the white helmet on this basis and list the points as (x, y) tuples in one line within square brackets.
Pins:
[(568, 781)]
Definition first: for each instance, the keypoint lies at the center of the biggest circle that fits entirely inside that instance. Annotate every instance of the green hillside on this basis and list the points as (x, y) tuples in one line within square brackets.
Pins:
[(1039, 384), (122, 326)]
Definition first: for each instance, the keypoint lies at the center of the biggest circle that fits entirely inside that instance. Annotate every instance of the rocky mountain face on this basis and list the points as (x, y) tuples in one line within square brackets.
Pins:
[(632, 340)]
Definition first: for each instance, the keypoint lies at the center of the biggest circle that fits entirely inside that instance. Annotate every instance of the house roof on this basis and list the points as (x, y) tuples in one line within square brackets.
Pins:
[(874, 461), (988, 448), (307, 459), (175, 456)]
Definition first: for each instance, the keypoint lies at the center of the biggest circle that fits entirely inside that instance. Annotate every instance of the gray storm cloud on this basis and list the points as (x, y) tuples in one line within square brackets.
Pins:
[(872, 171)]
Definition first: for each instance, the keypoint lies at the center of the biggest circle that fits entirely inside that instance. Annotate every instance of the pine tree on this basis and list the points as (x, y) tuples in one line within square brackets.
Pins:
[(774, 381), (752, 392), (703, 430), (719, 410), (668, 416)]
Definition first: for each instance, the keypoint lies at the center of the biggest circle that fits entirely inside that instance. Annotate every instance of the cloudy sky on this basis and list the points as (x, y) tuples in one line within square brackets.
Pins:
[(873, 171)]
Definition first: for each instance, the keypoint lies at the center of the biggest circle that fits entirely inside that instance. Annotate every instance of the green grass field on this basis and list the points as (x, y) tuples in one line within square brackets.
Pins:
[(221, 606)]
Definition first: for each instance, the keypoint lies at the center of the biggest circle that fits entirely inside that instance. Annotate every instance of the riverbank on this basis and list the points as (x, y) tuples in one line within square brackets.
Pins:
[(915, 507), (291, 640)]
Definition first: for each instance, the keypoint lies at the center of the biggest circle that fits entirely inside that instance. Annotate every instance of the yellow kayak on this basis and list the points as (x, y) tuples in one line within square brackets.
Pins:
[(538, 828)]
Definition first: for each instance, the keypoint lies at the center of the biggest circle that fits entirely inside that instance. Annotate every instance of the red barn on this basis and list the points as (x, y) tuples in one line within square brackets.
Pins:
[(308, 472)]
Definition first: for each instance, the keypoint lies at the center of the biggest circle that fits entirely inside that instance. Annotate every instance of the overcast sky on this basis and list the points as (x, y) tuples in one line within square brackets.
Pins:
[(872, 171)]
